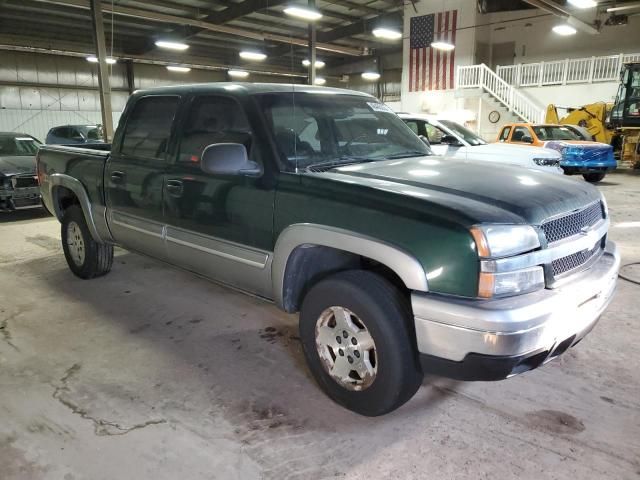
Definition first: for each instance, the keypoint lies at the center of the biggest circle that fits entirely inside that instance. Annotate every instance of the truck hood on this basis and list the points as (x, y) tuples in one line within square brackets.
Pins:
[(471, 191), (16, 165), (522, 151)]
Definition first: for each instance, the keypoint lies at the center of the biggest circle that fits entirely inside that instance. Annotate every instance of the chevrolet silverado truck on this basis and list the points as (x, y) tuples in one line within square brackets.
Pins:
[(324, 202)]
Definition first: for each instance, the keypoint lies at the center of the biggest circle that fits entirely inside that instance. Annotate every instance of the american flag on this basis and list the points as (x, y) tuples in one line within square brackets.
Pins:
[(429, 68)]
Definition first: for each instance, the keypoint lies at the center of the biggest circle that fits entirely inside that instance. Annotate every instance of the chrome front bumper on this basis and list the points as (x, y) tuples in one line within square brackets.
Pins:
[(452, 329)]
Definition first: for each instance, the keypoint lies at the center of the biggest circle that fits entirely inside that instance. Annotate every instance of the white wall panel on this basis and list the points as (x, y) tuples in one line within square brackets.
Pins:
[(38, 122)]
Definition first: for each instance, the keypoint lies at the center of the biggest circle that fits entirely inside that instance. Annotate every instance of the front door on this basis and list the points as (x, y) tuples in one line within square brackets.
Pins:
[(134, 176), (219, 225)]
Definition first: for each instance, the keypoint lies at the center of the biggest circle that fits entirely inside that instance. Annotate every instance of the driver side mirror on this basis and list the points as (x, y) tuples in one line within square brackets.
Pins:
[(425, 140), (228, 159), (450, 140), (526, 139)]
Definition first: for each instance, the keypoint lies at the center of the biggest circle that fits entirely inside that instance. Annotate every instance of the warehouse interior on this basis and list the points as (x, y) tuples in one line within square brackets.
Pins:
[(449, 188)]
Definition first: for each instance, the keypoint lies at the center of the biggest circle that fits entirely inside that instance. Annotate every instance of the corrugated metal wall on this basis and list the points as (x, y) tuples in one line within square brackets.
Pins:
[(38, 91)]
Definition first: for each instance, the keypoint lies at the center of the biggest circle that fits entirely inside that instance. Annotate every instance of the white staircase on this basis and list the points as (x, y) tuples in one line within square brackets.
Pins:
[(481, 77)]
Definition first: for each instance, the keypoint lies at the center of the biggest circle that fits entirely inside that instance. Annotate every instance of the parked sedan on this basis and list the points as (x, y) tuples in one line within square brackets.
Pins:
[(450, 139), (75, 134), (592, 160), (18, 182)]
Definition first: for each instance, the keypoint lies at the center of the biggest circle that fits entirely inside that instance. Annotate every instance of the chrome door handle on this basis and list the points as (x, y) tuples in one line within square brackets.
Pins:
[(117, 177), (175, 187)]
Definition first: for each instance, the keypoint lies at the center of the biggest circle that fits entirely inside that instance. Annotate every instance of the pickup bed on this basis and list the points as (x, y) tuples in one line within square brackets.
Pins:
[(325, 202)]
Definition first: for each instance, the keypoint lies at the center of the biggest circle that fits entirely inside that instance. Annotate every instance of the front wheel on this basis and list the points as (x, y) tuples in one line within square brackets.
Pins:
[(86, 257), (593, 177), (357, 338)]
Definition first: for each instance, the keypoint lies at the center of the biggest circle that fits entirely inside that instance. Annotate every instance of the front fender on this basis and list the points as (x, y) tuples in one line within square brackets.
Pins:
[(407, 267)]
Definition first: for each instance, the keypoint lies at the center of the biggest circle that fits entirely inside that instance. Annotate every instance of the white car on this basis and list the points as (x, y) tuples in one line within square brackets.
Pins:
[(450, 139)]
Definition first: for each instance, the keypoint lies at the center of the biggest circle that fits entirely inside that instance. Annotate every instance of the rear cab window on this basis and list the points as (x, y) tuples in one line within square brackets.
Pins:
[(148, 128), (504, 135), (519, 133)]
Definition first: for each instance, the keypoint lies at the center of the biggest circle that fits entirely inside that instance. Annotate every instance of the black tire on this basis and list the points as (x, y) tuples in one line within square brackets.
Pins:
[(98, 257), (386, 315), (593, 177)]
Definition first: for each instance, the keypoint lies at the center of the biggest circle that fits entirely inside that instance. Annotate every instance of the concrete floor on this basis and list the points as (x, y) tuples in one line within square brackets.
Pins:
[(151, 372)]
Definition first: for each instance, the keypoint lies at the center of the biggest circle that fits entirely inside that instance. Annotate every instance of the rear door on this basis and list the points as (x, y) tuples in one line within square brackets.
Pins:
[(219, 225), (134, 176)]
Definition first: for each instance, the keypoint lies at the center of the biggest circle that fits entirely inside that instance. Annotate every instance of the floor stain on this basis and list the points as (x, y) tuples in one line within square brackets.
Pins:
[(555, 421), (45, 241)]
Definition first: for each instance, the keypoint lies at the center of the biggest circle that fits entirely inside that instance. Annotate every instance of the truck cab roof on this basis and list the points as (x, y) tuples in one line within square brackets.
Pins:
[(249, 89)]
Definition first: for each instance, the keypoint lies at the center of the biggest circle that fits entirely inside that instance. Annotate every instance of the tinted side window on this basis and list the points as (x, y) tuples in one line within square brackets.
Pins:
[(505, 134), (434, 134), (148, 127), (519, 133), (413, 125), (213, 120)]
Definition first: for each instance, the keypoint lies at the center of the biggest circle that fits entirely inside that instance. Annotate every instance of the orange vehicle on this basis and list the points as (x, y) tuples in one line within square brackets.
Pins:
[(592, 160)]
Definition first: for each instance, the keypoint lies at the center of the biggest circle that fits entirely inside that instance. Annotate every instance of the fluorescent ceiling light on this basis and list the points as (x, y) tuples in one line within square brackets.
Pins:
[(249, 55), (303, 13), (387, 33), (371, 75), (583, 3), (320, 81), (94, 59), (238, 73), (564, 30), (443, 46), (319, 63), (177, 68), (171, 45)]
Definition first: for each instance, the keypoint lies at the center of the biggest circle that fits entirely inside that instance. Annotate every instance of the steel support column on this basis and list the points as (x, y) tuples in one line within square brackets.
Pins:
[(103, 70), (312, 47)]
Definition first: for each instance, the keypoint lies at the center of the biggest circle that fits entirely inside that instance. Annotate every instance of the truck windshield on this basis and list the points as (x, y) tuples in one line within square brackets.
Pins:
[(468, 136), (550, 132), (314, 129), (18, 146)]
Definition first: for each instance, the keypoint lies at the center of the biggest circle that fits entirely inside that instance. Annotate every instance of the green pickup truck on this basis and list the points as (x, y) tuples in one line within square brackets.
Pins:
[(324, 202)]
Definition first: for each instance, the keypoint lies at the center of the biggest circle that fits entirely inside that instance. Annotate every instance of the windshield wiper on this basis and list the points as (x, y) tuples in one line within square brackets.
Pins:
[(340, 162), (407, 154)]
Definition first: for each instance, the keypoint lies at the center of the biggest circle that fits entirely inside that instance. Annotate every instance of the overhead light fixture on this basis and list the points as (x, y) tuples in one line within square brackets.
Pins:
[(303, 13), (171, 45), (251, 55), (320, 81), (440, 45), (583, 3), (94, 59), (371, 75), (238, 73), (319, 63), (387, 33), (178, 68), (564, 30)]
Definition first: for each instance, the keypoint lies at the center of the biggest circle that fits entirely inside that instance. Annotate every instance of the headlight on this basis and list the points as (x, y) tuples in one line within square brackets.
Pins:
[(546, 162), (494, 241), (510, 283)]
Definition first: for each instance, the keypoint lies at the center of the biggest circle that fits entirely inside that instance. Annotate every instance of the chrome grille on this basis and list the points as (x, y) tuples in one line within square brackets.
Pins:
[(572, 223), (575, 260)]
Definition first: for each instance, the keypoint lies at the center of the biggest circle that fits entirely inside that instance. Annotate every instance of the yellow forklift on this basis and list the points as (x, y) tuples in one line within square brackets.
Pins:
[(617, 124)]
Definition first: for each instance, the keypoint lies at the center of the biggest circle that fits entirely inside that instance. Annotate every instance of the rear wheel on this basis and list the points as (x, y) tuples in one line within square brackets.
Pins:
[(86, 257), (356, 334), (593, 177)]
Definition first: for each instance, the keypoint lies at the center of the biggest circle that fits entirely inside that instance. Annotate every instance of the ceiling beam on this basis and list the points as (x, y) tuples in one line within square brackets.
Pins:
[(172, 19), (364, 26)]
